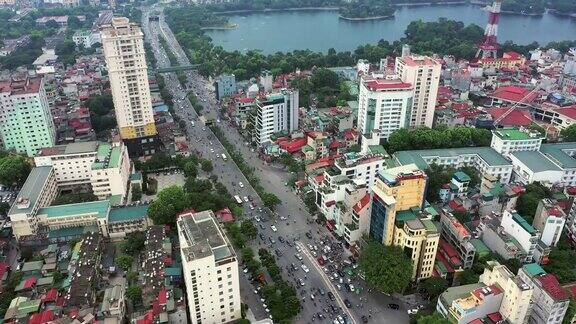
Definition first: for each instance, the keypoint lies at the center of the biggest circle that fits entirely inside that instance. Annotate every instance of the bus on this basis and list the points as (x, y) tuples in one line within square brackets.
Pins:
[(238, 199), (224, 157)]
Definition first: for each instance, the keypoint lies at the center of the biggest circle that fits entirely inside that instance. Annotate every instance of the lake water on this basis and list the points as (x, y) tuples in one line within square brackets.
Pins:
[(320, 30)]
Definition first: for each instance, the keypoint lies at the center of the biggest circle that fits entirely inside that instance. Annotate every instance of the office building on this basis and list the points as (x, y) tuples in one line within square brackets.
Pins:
[(549, 220), (37, 192), (102, 167), (123, 45), (210, 269), (384, 105), (86, 38), (225, 86), (549, 300), (508, 140), (275, 113), (423, 73), (396, 189), (26, 123), (456, 248)]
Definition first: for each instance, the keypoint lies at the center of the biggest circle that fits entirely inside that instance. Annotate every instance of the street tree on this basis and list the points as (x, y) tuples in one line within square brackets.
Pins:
[(249, 229), (124, 261), (134, 294), (167, 204), (434, 318), (14, 170), (386, 268), (207, 166), (270, 200), (190, 169)]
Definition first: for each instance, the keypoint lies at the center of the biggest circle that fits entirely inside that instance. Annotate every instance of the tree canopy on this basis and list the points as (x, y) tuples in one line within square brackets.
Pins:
[(167, 204), (14, 169), (568, 134), (74, 198), (386, 268), (423, 138), (433, 286)]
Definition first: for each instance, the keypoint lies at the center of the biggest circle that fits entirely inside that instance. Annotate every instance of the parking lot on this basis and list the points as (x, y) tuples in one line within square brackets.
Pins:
[(165, 180)]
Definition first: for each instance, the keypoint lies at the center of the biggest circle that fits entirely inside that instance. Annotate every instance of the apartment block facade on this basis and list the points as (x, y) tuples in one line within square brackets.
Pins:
[(123, 45), (275, 113), (26, 123), (210, 269)]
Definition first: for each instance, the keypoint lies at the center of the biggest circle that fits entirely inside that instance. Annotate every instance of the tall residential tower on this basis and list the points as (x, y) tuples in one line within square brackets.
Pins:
[(123, 44), (26, 123)]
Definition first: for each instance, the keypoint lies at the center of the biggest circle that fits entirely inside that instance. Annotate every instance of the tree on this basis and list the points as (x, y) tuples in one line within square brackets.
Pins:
[(248, 229), (207, 166), (133, 243), (467, 277), (568, 134), (4, 208), (74, 198), (270, 200), (434, 286), (529, 200), (435, 318), (134, 294), (136, 193), (386, 268), (124, 262), (14, 169), (132, 277), (167, 204), (190, 170)]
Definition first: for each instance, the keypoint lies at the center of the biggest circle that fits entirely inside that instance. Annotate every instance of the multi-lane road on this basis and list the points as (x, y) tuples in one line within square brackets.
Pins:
[(291, 221)]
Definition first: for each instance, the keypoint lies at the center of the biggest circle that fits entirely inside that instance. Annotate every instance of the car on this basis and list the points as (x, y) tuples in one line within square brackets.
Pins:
[(298, 256), (278, 252), (321, 261), (340, 319), (257, 218), (274, 229), (364, 319), (393, 306), (347, 303), (293, 266), (331, 296), (281, 239), (308, 235), (245, 199), (302, 283), (412, 311), (322, 292), (262, 237), (251, 207), (298, 248), (240, 184), (261, 226), (312, 296), (211, 150), (305, 268), (271, 240), (245, 270), (351, 288)]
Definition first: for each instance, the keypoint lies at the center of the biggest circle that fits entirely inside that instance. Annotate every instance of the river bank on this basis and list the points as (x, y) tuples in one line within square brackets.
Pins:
[(241, 11), (366, 18), (228, 26)]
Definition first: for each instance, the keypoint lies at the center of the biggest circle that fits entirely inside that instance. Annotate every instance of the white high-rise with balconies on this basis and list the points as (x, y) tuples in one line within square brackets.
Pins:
[(383, 105), (210, 269), (123, 45), (423, 73)]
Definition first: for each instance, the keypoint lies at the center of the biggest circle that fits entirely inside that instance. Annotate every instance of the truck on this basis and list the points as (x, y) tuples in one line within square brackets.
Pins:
[(224, 157), (238, 199)]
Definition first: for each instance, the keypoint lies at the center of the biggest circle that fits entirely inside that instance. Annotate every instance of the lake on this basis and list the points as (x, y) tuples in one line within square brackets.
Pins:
[(320, 30)]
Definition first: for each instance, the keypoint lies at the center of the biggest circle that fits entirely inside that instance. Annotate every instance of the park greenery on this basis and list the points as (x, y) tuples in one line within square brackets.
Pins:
[(561, 262), (101, 108), (14, 169), (423, 138), (360, 9), (385, 268), (526, 7), (323, 89)]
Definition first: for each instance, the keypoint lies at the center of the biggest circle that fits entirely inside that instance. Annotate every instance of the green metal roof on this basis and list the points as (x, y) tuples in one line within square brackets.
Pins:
[(461, 176), (128, 213), (522, 222), (377, 149), (533, 269), (173, 271), (32, 266), (101, 208), (556, 153), (488, 154), (108, 156), (479, 246), (513, 134), (535, 161), (405, 215), (430, 227), (453, 293), (29, 306), (31, 189)]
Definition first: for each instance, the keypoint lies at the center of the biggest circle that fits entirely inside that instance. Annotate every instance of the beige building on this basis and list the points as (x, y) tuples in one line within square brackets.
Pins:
[(210, 269), (123, 46), (423, 73), (37, 192), (515, 305)]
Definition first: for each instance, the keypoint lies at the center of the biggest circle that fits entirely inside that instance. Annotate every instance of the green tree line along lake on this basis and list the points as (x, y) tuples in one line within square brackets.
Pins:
[(321, 30)]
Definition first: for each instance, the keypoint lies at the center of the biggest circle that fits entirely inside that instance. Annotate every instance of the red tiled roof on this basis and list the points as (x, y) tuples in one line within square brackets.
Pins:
[(514, 94), (224, 215), (460, 106), (319, 178), (50, 296), (361, 204), (383, 84), (246, 100), (440, 257), (293, 146), (518, 117), (350, 134), (569, 112), (476, 321), (571, 190), (334, 145), (29, 282), (512, 55), (455, 205), (162, 296), (447, 248), (47, 316), (552, 287)]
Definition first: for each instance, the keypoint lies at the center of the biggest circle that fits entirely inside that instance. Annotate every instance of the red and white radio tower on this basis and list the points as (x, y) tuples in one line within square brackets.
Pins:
[(489, 45)]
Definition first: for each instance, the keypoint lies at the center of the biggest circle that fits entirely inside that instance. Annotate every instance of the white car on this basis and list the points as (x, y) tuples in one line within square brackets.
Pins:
[(240, 184), (412, 311), (274, 229), (245, 199), (298, 256), (257, 218), (305, 268)]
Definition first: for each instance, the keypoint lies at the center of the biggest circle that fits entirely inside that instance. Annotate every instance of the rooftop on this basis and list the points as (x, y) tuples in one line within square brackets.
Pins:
[(30, 192), (461, 176), (557, 153), (123, 214), (535, 161), (374, 84), (522, 222), (72, 148), (202, 236), (108, 156), (533, 269), (551, 285), (21, 86), (99, 208), (453, 293), (488, 154), (515, 134)]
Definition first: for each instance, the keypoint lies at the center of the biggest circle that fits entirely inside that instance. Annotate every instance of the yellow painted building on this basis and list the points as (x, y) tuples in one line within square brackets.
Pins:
[(396, 217)]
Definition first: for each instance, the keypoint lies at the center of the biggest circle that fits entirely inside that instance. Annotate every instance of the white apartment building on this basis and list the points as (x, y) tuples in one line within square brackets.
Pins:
[(65, 3), (210, 269), (123, 46), (383, 105), (104, 167), (515, 305), (423, 73), (275, 113), (86, 38), (508, 140), (26, 123), (37, 192), (525, 234), (549, 220)]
